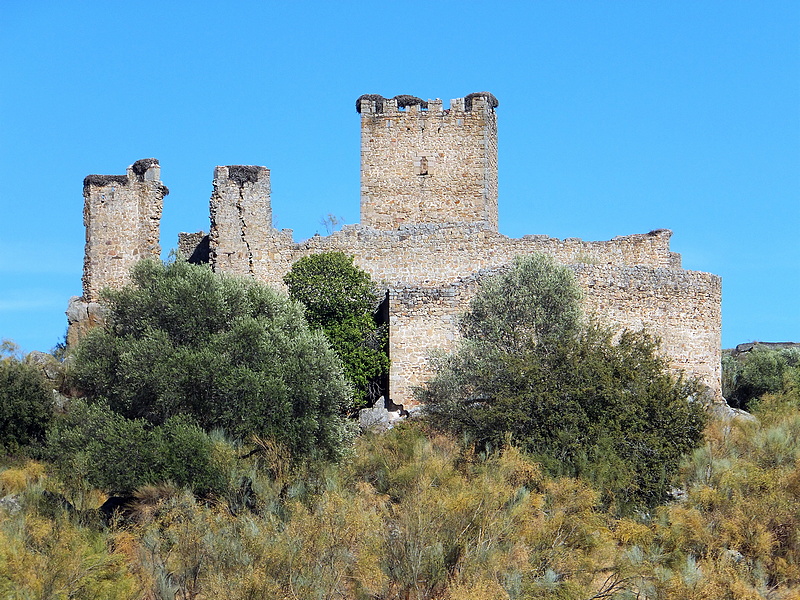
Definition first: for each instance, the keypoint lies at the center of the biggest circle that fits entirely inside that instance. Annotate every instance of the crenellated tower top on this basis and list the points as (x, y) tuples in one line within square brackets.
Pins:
[(423, 163)]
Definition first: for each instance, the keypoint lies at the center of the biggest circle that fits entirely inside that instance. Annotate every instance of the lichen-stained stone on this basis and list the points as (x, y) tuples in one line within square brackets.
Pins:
[(82, 317)]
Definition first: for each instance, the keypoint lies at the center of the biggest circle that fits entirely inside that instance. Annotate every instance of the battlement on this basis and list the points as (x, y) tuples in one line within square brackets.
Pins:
[(145, 169), (422, 163), (122, 214), (372, 104)]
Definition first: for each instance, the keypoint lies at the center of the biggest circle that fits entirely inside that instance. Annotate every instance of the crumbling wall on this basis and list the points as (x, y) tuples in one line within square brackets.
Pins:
[(436, 254), (122, 215), (241, 219), (431, 272), (194, 247), (421, 163), (680, 308)]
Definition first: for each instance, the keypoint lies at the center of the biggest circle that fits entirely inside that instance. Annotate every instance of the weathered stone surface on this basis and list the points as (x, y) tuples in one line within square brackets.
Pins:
[(48, 365), (241, 219), (421, 163), (10, 504), (194, 247), (379, 417), (82, 316), (122, 214), (60, 402), (723, 412)]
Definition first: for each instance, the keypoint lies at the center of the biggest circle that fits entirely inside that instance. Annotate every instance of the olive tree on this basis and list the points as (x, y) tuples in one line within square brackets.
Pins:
[(26, 403), (229, 352), (531, 370)]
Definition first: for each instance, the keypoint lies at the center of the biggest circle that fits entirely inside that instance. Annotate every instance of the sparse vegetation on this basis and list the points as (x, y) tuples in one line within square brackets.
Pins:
[(417, 514)]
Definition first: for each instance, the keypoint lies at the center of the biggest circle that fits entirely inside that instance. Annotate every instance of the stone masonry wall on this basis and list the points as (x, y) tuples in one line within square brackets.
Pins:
[(437, 254), (422, 319), (421, 163), (241, 219), (681, 308), (431, 272), (189, 242), (122, 214)]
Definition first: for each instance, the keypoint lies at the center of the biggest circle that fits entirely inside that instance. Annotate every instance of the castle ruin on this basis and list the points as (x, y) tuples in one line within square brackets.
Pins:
[(428, 234)]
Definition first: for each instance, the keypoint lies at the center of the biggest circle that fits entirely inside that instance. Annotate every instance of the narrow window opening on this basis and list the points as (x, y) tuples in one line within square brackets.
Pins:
[(423, 166)]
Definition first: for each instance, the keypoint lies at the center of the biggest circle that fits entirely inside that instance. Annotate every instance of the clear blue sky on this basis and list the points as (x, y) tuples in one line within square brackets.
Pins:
[(615, 117)]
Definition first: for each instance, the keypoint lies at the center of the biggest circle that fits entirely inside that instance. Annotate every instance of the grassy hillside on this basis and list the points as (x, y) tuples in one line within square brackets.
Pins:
[(415, 514)]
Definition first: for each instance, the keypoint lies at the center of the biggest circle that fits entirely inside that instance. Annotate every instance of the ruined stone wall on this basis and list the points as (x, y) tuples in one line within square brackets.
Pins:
[(241, 219), (122, 215), (422, 319), (681, 308), (421, 163), (431, 272), (437, 254), (188, 244), (428, 234)]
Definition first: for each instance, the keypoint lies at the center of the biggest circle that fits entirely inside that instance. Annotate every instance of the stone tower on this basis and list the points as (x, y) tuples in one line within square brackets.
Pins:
[(122, 215), (421, 163), (241, 219)]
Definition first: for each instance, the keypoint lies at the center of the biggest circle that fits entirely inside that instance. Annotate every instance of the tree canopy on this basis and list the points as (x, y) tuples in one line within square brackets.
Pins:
[(531, 370), (229, 352), (26, 404), (340, 299), (760, 371)]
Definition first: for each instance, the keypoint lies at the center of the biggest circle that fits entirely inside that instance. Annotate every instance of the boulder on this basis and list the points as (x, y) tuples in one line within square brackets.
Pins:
[(379, 417), (50, 367), (82, 316), (726, 413), (10, 504)]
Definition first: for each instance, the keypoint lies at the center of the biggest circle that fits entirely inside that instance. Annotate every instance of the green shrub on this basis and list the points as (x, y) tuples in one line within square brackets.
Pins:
[(760, 371), (529, 372), (231, 353), (93, 445), (26, 404), (340, 299)]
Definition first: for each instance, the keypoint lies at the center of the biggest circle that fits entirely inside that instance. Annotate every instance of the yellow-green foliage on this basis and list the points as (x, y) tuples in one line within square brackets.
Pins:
[(44, 557), (414, 515), (16, 479), (737, 534)]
